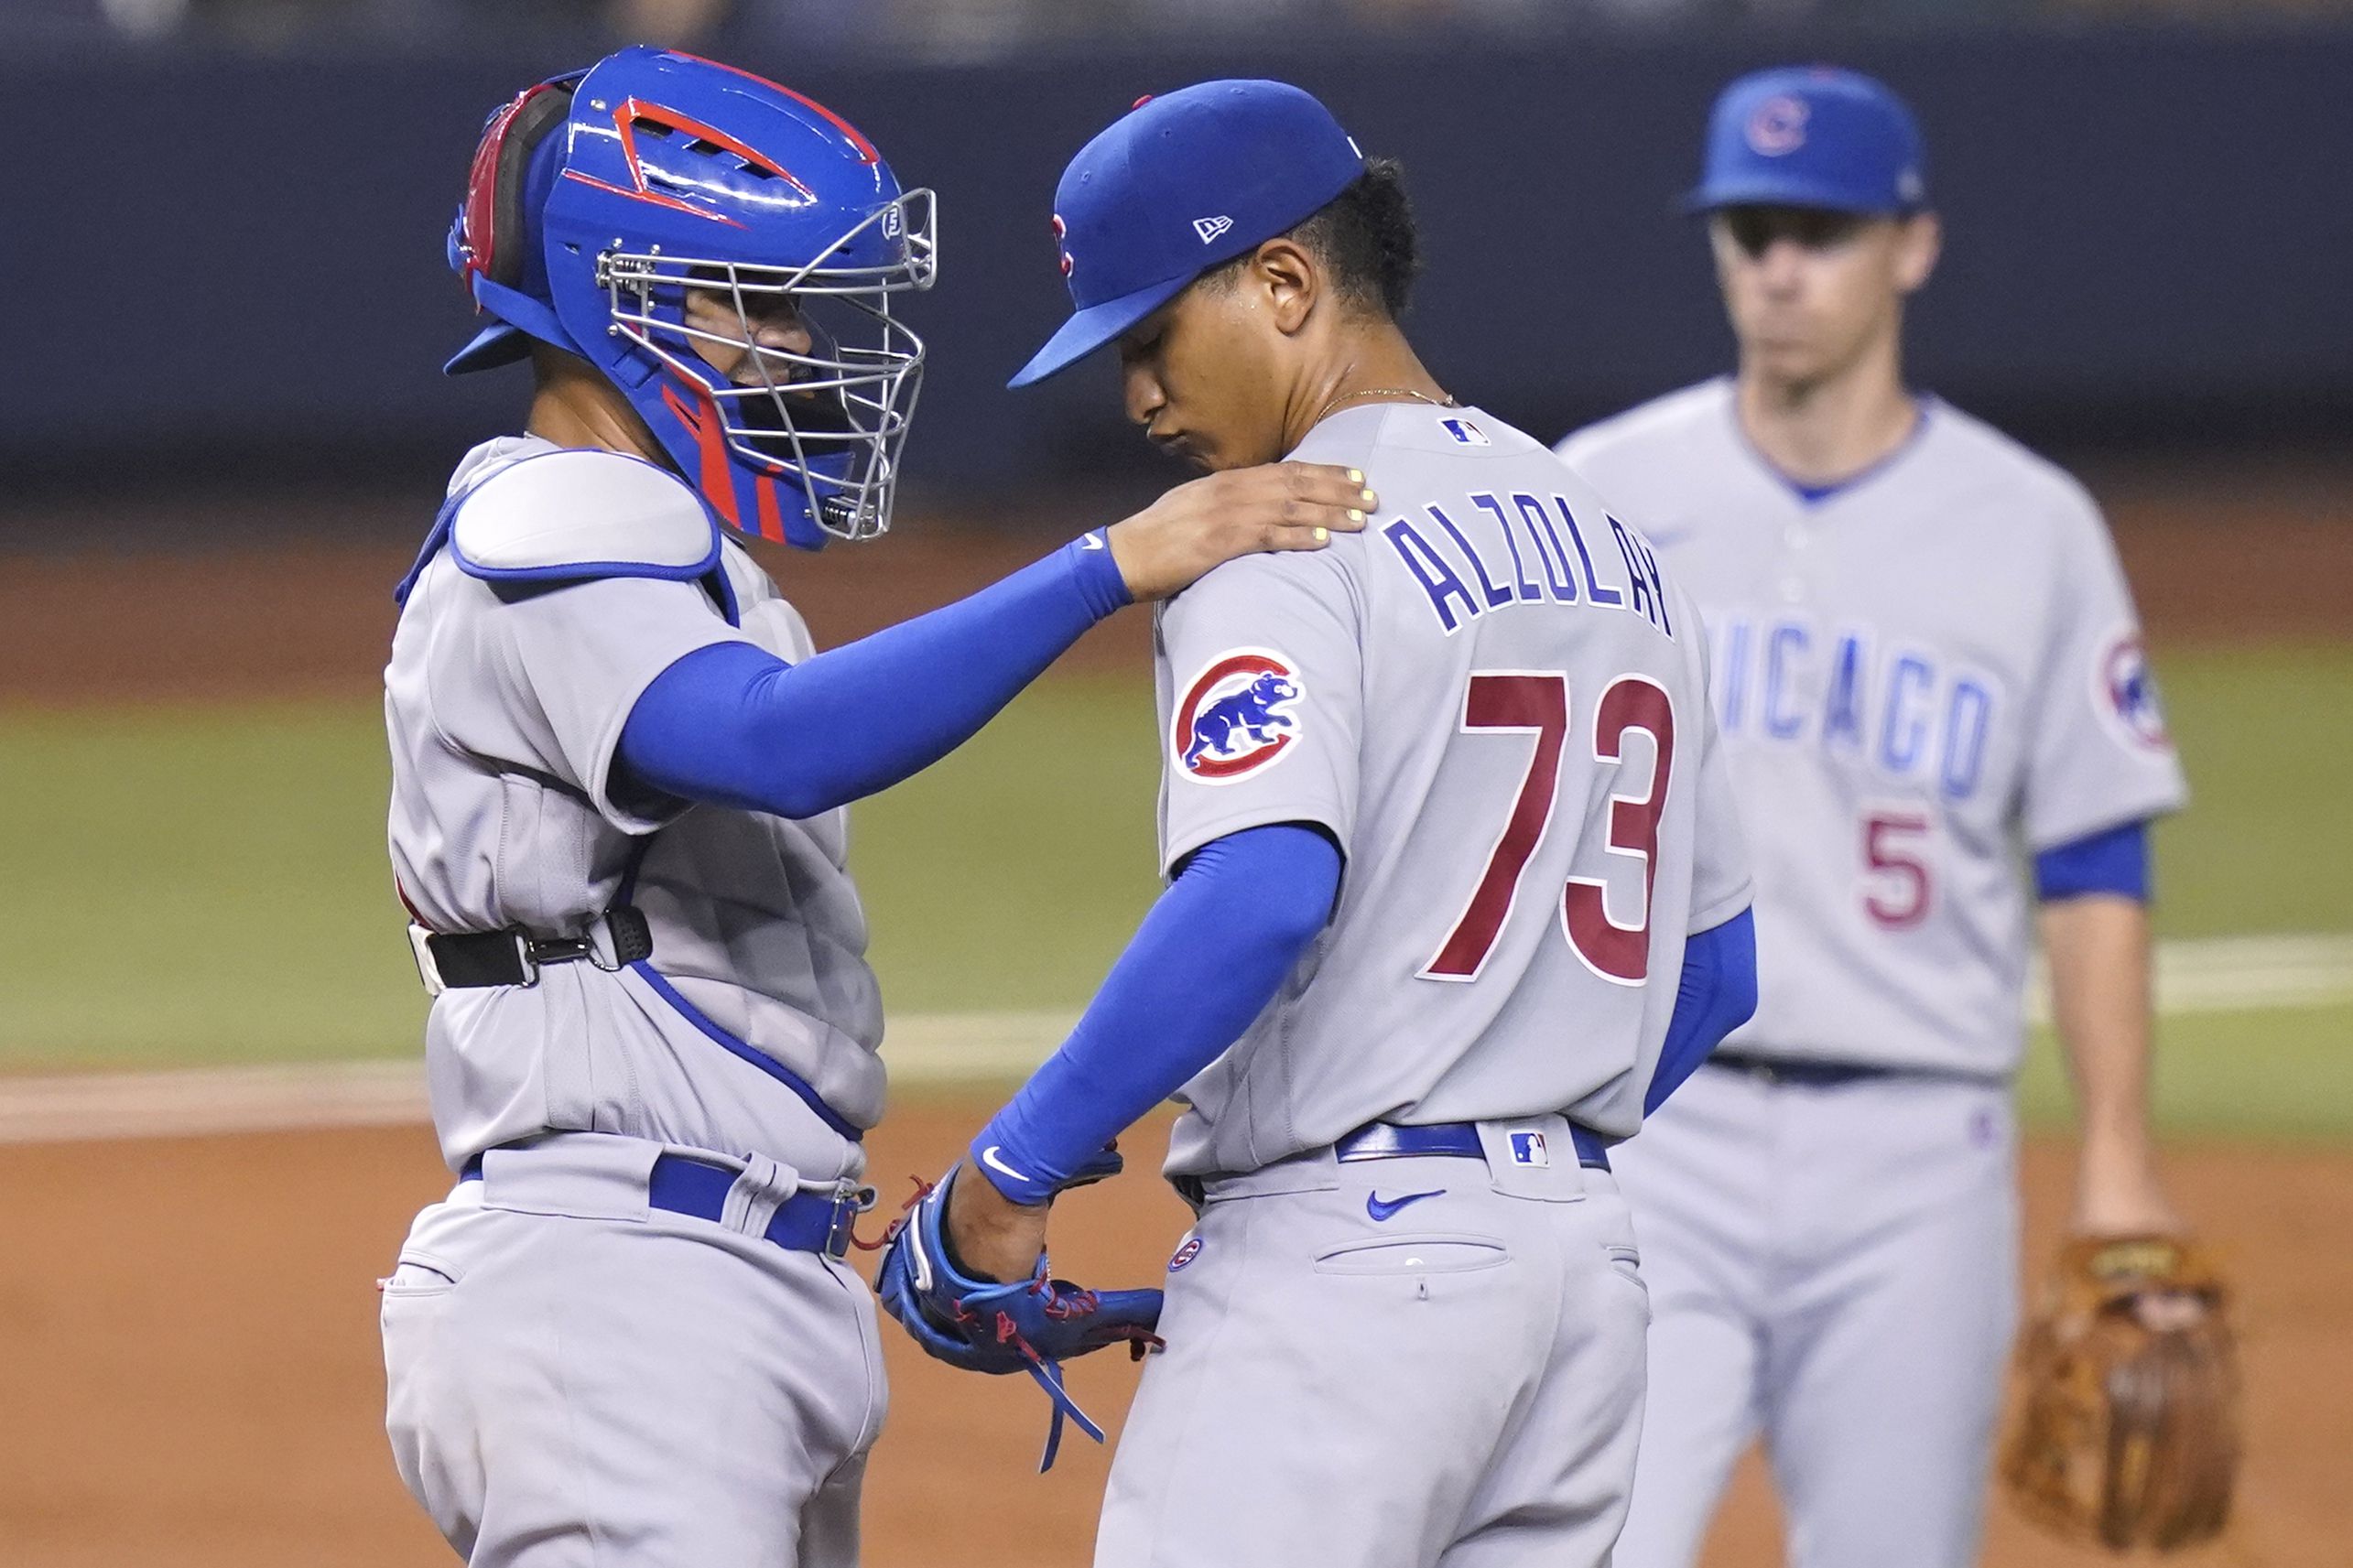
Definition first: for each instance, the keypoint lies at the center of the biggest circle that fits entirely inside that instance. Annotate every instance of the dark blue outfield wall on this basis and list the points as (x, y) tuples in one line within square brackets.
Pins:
[(2150, 234)]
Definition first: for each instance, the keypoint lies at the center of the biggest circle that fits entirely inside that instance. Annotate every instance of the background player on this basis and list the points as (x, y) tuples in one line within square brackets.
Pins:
[(1450, 785), (1925, 651), (618, 776)]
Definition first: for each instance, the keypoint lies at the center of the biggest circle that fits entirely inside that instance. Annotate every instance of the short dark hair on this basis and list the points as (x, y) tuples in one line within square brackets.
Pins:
[(1365, 235)]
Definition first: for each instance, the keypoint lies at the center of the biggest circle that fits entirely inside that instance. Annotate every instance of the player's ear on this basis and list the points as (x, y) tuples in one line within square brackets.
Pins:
[(1919, 242), (1291, 281)]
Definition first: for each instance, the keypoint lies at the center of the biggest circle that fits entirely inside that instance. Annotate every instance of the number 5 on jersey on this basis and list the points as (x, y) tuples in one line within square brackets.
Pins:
[(1537, 703)]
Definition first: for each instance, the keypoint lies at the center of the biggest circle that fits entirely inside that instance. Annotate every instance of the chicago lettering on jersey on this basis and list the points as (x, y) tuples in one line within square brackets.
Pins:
[(1492, 551), (1903, 712)]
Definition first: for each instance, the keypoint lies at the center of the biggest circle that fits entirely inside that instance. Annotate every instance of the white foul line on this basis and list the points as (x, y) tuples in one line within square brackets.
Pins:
[(2233, 974)]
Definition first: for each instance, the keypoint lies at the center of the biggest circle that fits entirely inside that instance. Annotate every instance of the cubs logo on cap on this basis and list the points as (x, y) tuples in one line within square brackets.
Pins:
[(1777, 125), (1528, 1149), (1236, 717), (2126, 692)]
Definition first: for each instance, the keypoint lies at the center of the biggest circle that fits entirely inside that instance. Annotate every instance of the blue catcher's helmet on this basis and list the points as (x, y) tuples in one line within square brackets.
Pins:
[(599, 198)]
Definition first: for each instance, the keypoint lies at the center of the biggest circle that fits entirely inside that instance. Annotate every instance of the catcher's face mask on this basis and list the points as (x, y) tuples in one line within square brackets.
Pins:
[(802, 374), (603, 200)]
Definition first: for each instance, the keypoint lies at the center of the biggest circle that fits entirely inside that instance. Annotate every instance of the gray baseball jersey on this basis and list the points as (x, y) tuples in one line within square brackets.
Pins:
[(559, 585), (1493, 700), (1916, 675)]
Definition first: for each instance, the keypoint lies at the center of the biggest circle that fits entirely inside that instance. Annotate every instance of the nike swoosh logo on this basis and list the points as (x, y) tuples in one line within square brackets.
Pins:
[(1386, 1208), (1090, 541), (989, 1158)]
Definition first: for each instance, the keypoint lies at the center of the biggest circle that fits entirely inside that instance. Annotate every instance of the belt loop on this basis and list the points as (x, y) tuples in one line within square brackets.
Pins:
[(420, 946), (760, 1189)]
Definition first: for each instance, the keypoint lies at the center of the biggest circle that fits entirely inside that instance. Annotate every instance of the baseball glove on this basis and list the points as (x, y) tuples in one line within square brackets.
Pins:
[(2128, 1433), (1030, 1325)]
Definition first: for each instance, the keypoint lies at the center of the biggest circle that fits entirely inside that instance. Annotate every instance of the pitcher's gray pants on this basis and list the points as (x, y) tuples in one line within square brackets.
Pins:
[(575, 1378), (1458, 1386), (1833, 1268)]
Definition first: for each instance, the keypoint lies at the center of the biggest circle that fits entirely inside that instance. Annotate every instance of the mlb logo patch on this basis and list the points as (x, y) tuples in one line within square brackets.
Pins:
[(1464, 431), (1210, 228), (2126, 692), (1528, 1149), (1236, 717)]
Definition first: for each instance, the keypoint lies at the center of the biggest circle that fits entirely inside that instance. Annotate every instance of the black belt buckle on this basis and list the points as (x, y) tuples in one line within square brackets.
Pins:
[(446, 961), (555, 950)]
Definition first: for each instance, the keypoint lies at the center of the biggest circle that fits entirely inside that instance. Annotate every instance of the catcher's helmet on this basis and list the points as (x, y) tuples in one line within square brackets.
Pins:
[(599, 197)]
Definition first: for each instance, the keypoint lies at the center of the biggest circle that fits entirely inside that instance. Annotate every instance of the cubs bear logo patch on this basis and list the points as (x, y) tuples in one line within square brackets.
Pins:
[(1235, 718), (2127, 693)]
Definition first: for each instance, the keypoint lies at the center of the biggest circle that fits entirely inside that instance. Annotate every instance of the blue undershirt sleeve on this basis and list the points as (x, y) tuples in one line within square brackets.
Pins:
[(1717, 994), (2115, 861), (1208, 959), (734, 725)]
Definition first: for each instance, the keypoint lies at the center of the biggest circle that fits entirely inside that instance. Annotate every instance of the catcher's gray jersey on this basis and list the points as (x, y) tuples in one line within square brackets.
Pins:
[(1913, 674), (1493, 700), (754, 1025)]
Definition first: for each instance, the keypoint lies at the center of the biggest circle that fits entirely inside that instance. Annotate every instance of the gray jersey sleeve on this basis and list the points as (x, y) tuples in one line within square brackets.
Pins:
[(1720, 887), (547, 680), (2096, 751), (1261, 678)]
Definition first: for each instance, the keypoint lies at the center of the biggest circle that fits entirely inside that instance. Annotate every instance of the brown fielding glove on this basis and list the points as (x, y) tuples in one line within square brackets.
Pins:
[(2128, 1433)]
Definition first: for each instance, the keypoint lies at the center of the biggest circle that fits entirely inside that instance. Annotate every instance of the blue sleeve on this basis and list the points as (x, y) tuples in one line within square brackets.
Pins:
[(2115, 861), (1717, 994), (1206, 961), (734, 725)]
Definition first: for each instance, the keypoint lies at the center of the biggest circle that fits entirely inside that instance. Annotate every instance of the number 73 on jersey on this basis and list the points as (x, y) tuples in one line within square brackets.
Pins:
[(1538, 703)]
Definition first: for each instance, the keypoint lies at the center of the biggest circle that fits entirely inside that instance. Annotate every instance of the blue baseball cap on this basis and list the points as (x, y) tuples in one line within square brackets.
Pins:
[(1180, 184), (1812, 137)]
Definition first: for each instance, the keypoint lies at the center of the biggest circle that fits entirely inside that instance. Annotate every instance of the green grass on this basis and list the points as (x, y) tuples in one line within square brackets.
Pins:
[(2281, 1074), (199, 886), (2267, 842), (209, 885)]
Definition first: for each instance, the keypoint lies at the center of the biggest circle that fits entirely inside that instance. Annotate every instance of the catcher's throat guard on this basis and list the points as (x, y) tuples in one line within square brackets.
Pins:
[(601, 199)]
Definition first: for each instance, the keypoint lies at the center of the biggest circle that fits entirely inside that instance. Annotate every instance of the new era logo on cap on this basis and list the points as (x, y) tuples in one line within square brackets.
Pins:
[(1210, 228)]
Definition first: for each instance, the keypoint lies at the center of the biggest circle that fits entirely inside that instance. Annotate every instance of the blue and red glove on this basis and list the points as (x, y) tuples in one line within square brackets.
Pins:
[(1029, 1326)]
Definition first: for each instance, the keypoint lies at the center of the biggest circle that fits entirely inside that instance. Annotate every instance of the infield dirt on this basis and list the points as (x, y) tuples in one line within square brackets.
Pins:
[(193, 1374)]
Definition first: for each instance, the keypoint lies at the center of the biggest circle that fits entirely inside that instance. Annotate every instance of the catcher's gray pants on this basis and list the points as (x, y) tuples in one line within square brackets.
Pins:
[(1834, 1269), (1457, 1385), (574, 1378)]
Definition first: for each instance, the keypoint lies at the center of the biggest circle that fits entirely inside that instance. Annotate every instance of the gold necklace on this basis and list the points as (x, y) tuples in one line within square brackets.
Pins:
[(1359, 395)]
